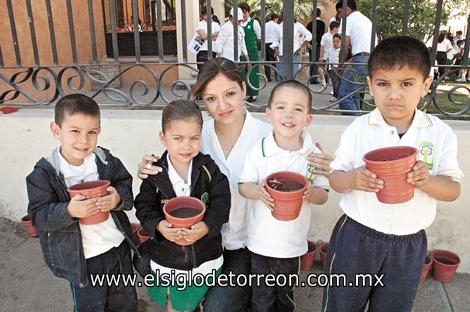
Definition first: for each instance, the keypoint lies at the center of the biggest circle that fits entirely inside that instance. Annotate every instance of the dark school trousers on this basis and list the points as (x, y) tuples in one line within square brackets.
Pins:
[(356, 249), (273, 298), (109, 298)]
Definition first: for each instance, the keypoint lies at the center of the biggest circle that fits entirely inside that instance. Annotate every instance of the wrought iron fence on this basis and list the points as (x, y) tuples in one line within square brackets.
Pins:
[(152, 81)]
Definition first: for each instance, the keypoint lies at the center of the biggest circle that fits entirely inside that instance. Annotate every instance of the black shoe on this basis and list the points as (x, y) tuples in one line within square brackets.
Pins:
[(251, 99), (314, 81)]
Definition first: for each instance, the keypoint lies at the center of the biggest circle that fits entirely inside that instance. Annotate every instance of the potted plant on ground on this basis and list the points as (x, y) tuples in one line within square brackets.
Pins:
[(27, 225), (444, 265), (309, 258)]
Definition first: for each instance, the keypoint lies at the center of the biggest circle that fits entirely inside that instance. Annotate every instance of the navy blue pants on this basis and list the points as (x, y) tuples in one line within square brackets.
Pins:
[(273, 298), (357, 249), (115, 298), (231, 299)]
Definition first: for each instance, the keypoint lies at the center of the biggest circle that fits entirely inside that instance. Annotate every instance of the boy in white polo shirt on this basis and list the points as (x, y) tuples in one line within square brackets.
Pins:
[(276, 246), (389, 239)]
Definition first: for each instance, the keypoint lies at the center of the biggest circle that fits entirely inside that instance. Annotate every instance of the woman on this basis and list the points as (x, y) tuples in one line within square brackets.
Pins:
[(227, 137)]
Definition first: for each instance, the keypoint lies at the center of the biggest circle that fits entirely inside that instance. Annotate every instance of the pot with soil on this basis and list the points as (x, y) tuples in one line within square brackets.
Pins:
[(445, 264), (91, 189), (308, 259), (323, 247), (426, 268), (391, 164), (142, 235), (287, 189), (27, 225), (184, 212)]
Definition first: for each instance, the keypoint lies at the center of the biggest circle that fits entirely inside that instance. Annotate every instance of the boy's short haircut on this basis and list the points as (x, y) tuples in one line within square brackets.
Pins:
[(75, 104), (180, 110), (333, 25), (400, 51), (292, 84), (274, 16), (337, 36), (244, 6), (339, 5), (352, 4)]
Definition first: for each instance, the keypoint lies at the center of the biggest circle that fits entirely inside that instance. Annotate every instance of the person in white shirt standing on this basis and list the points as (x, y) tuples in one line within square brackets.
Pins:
[(270, 33), (326, 43), (201, 30), (358, 36), (332, 57), (224, 45)]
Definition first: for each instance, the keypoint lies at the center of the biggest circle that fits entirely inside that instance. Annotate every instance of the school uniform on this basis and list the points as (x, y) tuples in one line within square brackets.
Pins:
[(276, 245), (202, 55), (374, 237), (252, 31)]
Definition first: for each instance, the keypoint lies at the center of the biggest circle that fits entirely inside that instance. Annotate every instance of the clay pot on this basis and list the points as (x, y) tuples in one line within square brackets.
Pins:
[(91, 189), (426, 268), (142, 235), (323, 247), (445, 264), (308, 259), (176, 206), (287, 205), (27, 225), (391, 164), (135, 227)]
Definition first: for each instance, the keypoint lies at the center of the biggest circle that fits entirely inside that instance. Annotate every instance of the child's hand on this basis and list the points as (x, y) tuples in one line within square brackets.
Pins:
[(167, 230), (196, 232), (419, 175), (110, 201), (365, 180), (308, 192), (79, 207), (146, 167), (320, 161), (264, 195)]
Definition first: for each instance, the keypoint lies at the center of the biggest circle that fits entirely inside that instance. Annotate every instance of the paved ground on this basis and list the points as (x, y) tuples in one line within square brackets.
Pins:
[(26, 284)]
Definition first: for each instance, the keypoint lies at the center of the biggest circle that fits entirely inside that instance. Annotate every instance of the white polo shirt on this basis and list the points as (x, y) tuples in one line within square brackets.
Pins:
[(359, 29), (268, 236), (327, 42), (368, 132), (301, 34), (234, 232), (225, 42), (202, 26), (270, 31), (96, 238)]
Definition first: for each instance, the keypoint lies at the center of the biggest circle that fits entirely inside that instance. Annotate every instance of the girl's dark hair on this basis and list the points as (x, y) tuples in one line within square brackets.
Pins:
[(291, 84), (73, 104), (180, 110), (212, 68), (442, 36)]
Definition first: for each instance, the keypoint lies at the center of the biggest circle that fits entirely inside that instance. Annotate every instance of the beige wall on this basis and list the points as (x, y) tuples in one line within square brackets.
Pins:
[(130, 134)]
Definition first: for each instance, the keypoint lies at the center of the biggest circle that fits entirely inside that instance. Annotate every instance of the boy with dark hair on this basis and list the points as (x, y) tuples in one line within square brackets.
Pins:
[(72, 250), (388, 241)]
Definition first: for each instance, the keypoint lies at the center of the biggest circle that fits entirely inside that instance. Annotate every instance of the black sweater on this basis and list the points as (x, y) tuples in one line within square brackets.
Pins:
[(156, 190)]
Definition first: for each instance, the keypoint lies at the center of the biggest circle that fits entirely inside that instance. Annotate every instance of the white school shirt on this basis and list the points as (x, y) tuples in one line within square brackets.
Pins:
[(270, 31), (369, 132), (327, 42), (96, 238), (224, 43), (359, 29), (301, 34), (202, 26), (332, 56), (444, 46), (182, 188), (256, 27), (234, 232), (268, 236)]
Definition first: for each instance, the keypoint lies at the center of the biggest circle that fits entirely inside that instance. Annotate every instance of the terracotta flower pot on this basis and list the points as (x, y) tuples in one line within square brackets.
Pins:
[(426, 268), (183, 212), (323, 247), (91, 189), (135, 227), (391, 164), (445, 264), (287, 204), (27, 225), (142, 235), (309, 258)]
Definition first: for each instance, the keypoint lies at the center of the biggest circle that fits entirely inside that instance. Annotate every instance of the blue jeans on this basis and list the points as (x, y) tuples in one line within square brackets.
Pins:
[(231, 299), (353, 76), (295, 67)]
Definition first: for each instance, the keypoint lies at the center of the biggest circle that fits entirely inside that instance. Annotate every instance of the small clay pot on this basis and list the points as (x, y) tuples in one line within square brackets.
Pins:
[(287, 205), (444, 265), (135, 227), (426, 268), (91, 189), (391, 164), (175, 205), (323, 248), (308, 259), (142, 235), (27, 225)]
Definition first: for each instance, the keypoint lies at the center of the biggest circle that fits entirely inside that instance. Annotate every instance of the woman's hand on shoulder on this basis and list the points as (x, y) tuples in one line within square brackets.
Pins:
[(146, 168)]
